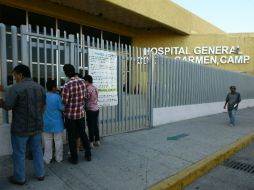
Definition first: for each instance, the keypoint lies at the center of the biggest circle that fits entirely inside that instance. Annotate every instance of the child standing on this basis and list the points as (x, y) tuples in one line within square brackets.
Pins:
[(53, 123)]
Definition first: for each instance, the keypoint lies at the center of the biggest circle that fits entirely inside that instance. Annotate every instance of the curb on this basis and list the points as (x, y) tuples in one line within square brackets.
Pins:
[(188, 175)]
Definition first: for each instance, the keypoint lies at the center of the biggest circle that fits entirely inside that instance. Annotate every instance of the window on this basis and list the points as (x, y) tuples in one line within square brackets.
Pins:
[(114, 38), (125, 40), (69, 27), (92, 32), (12, 16), (41, 21)]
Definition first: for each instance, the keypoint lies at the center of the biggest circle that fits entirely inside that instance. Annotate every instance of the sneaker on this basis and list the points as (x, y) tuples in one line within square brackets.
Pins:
[(46, 161), (13, 180), (97, 143), (40, 178), (231, 125), (60, 160), (91, 145)]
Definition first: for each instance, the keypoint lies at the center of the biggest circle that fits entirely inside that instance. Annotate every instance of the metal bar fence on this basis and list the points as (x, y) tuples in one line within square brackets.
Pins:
[(144, 81), (190, 83)]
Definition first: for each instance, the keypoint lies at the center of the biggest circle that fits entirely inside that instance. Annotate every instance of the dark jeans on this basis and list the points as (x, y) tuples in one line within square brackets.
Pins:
[(92, 123), (75, 129)]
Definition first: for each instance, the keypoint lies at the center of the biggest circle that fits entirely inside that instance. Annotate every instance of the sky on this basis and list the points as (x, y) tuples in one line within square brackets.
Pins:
[(231, 16)]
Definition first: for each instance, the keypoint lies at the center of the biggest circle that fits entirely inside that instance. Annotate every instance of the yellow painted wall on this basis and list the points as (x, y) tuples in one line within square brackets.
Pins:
[(166, 13), (193, 30), (163, 39), (169, 14)]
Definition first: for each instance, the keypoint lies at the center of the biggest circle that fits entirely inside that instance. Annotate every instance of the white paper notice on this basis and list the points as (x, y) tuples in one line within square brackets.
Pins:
[(103, 69)]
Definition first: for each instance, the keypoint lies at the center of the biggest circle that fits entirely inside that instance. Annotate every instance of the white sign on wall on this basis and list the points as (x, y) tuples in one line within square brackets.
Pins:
[(103, 69)]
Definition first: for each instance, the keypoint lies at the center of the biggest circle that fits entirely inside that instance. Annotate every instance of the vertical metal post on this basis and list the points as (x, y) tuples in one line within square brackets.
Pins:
[(71, 37), (150, 88), (171, 78), (167, 78), (52, 55), (129, 87), (112, 116), (58, 58), (78, 52), (30, 39), (184, 82), (178, 82), (3, 65), (143, 89), (14, 44), (45, 57), (38, 56), (188, 91), (120, 87), (24, 47), (66, 53), (83, 58), (104, 45)]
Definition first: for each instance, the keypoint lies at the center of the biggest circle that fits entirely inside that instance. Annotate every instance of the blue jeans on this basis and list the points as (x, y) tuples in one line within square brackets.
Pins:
[(231, 114), (19, 149)]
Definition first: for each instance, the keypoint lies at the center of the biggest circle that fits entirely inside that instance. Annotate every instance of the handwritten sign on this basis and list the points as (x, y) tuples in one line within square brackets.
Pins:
[(103, 69)]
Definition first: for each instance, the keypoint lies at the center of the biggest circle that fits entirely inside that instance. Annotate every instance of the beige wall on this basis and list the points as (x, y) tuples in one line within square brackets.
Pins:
[(163, 12), (163, 39), (169, 14), (181, 28)]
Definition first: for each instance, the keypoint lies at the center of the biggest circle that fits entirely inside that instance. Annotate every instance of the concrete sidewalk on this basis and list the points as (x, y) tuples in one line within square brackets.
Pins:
[(138, 160)]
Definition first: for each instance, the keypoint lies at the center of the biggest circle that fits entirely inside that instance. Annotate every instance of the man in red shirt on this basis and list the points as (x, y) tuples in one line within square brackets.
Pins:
[(74, 100)]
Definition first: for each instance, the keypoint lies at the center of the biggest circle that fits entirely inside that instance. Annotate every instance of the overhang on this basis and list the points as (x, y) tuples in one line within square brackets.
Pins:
[(142, 14)]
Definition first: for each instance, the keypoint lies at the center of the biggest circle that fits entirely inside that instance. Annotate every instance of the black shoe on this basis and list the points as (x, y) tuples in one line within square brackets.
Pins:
[(72, 161), (88, 156), (13, 180), (40, 178)]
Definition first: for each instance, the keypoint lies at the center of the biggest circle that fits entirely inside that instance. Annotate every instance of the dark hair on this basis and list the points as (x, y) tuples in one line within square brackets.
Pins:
[(79, 75), (50, 84), (88, 78), (22, 69), (232, 87), (69, 70)]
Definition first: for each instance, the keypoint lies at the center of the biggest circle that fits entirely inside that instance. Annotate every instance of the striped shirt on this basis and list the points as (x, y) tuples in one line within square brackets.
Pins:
[(74, 98)]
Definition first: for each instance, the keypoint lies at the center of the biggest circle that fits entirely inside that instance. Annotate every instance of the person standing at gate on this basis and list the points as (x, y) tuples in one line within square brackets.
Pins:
[(26, 99), (53, 124), (92, 111), (73, 95), (232, 101)]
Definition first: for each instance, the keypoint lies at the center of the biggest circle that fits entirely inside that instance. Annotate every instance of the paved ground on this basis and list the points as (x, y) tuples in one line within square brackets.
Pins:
[(237, 173), (135, 161)]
